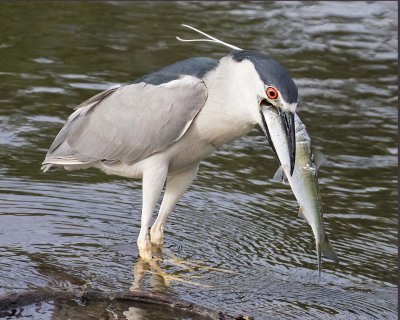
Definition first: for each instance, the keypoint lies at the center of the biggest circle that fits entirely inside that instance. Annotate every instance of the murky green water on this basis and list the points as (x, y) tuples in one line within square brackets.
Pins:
[(259, 257)]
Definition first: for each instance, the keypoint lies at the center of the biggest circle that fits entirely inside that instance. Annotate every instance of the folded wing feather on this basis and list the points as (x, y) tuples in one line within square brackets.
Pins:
[(128, 123)]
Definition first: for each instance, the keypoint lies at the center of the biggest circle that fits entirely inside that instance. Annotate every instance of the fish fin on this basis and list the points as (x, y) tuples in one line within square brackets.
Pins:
[(301, 213), (280, 176), (327, 250), (319, 158)]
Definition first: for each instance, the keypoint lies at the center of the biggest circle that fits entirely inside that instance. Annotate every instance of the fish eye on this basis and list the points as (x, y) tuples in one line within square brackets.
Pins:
[(272, 93)]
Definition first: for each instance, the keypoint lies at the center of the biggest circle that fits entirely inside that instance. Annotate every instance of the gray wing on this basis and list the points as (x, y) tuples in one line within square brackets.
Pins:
[(128, 123)]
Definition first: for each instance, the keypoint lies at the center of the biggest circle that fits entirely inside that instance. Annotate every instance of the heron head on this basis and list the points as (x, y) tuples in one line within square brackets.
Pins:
[(277, 89), (272, 84)]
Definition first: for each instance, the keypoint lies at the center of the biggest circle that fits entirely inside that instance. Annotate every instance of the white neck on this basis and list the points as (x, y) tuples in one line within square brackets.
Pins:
[(232, 107)]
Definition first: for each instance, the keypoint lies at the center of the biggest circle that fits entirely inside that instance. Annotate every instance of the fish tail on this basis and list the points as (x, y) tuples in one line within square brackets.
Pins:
[(327, 249), (319, 260), (324, 248)]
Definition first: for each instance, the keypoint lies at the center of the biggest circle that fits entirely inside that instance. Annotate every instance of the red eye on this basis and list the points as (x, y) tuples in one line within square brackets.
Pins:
[(272, 93)]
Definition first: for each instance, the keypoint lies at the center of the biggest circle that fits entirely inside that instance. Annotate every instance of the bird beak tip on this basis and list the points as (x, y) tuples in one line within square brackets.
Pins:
[(290, 130)]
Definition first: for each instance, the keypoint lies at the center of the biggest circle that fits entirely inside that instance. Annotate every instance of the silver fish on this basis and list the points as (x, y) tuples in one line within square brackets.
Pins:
[(304, 181)]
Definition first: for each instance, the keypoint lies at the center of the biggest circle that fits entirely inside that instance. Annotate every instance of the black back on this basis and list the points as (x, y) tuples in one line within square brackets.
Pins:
[(196, 67)]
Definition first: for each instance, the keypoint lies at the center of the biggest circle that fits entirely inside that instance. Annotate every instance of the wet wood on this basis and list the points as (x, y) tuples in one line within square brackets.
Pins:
[(9, 302)]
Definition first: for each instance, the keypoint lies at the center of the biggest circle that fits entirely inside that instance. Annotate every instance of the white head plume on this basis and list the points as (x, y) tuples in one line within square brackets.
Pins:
[(210, 38)]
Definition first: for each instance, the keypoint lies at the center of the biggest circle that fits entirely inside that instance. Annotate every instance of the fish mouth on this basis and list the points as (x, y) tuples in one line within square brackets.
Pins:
[(288, 123)]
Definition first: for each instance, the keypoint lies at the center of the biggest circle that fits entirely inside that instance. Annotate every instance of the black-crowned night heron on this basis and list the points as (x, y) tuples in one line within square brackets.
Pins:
[(162, 125)]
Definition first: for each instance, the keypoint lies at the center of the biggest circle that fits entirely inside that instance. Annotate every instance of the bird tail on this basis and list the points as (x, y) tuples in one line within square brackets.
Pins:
[(68, 162)]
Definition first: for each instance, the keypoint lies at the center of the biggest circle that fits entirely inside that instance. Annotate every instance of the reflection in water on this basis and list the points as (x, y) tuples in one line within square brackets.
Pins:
[(159, 278), (134, 313), (188, 272), (163, 273)]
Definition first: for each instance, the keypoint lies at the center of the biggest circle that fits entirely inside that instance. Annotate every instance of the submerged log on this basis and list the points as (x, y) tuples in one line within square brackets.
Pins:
[(9, 302)]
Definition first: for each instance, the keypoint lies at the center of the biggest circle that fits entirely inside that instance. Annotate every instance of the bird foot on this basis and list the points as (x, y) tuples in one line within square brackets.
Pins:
[(144, 247), (157, 236)]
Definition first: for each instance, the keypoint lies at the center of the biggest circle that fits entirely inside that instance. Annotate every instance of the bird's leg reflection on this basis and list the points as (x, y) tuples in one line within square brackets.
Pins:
[(160, 280), (194, 266), (139, 269)]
